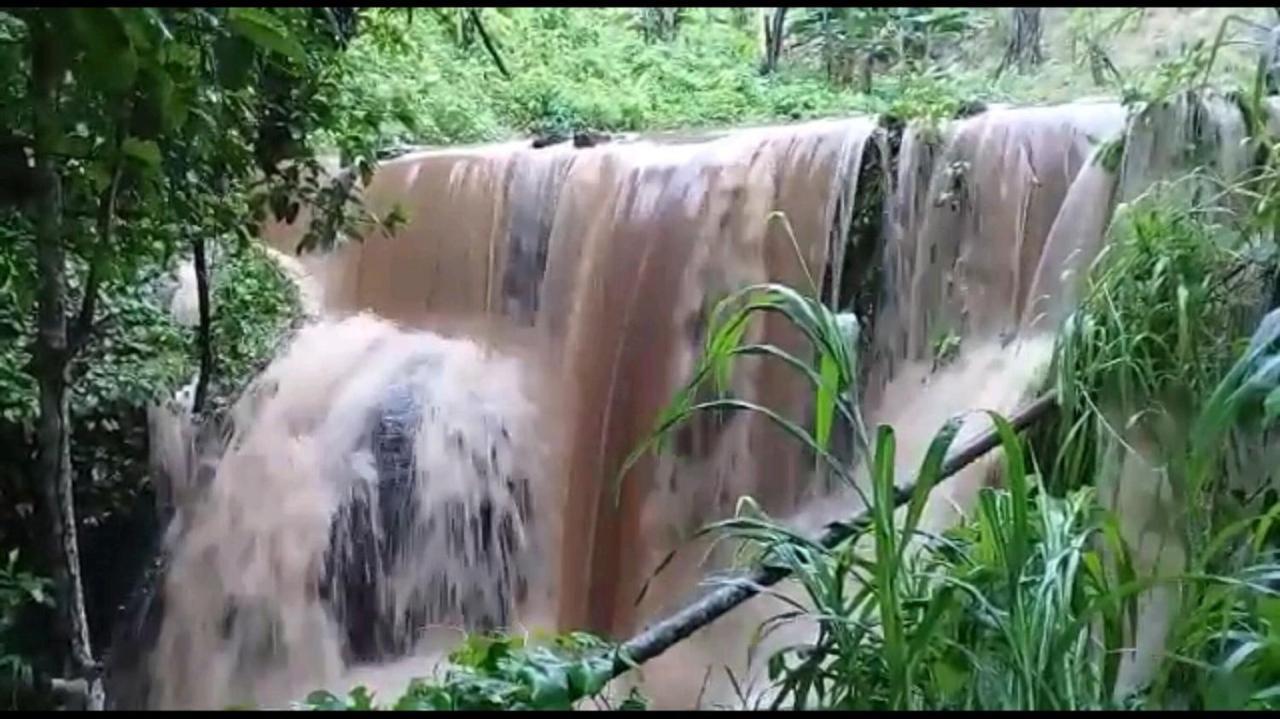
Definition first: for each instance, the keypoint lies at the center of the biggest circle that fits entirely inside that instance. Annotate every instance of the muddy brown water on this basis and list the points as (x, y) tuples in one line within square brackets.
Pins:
[(537, 311)]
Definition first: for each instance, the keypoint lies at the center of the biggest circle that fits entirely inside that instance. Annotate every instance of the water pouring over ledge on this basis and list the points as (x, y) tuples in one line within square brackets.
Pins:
[(592, 268)]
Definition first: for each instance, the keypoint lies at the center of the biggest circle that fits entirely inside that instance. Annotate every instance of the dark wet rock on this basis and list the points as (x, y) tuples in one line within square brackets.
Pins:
[(970, 108), (549, 139), (590, 139), (377, 531)]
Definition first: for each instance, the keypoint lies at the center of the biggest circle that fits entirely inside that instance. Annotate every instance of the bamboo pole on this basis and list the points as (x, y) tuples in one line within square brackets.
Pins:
[(659, 637)]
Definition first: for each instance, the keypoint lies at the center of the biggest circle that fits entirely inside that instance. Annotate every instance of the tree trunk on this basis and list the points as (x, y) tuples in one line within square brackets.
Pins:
[(1024, 49), (205, 331), (50, 359), (865, 71), (827, 49), (773, 27)]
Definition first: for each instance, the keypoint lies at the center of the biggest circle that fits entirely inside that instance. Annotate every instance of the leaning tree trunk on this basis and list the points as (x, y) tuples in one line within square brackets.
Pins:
[(828, 52), (52, 354), (489, 47), (1025, 36), (773, 29)]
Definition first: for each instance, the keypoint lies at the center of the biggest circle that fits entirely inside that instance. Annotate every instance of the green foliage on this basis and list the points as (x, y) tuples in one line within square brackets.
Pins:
[(17, 388), (1228, 633), (432, 85), (1191, 68), (994, 613), (1091, 31), (498, 673), (933, 95), (945, 346), (1165, 79), (140, 357), (1155, 329), (254, 303), (1028, 605), (831, 372), (19, 589), (885, 36)]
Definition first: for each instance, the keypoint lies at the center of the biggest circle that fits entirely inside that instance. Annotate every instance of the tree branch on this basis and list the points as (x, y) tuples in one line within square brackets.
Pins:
[(661, 636), (105, 224), (474, 14)]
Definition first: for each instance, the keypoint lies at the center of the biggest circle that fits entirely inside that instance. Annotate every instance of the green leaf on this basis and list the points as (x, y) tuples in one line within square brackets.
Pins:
[(361, 698), (110, 61), (1228, 691), (145, 151), (824, 406), (234, 55), (266, 31), (321, 699)]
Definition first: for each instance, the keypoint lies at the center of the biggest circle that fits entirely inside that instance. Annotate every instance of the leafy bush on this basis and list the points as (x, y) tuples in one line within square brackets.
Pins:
[(495, 673), (19, 589), (254, 303)]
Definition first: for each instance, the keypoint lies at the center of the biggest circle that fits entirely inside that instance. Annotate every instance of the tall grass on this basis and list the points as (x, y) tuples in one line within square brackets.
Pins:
[(1225, 641), (995, 613), (831, 372), (1164, 305), (1033, 602)]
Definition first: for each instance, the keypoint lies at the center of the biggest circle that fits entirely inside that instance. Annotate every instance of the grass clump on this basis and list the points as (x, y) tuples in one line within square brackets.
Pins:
[(1164, 305)]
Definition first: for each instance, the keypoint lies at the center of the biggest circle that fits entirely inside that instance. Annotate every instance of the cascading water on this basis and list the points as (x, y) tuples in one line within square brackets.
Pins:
[(457, 469), (613, 255), (378, 482)]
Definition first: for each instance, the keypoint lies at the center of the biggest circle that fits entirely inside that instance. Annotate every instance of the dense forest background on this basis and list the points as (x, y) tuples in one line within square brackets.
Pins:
[(138, 139), (437, 78)]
